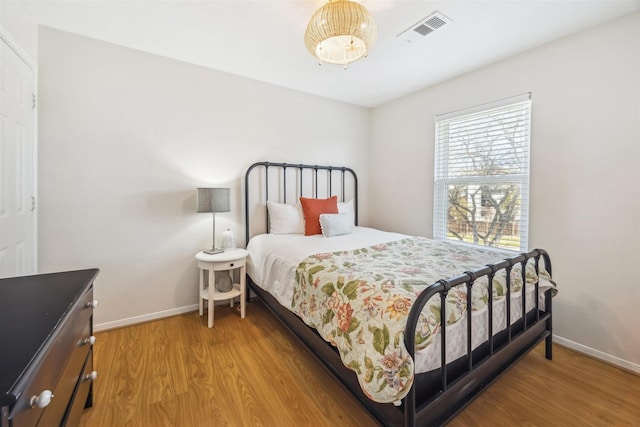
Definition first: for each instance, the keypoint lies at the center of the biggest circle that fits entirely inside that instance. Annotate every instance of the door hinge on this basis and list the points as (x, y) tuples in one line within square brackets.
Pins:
[(33, 203), (34, 100)]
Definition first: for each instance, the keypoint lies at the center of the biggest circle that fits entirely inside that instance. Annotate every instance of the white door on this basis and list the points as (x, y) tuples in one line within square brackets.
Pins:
[(17, 202)]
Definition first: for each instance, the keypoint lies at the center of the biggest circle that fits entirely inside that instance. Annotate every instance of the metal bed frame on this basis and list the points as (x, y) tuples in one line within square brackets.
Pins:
[(436, 396)]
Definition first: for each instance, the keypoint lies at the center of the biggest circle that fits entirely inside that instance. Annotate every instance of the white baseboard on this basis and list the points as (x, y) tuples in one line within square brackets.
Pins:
[(144, 318), (597, 354)]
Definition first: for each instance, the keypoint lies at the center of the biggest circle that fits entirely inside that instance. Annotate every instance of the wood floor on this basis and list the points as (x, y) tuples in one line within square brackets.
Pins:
[(252, 372)]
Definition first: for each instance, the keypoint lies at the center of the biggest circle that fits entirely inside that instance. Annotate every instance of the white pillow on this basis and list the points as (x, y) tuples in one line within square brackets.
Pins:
[(335, 224), (347, 208), (285, 218)]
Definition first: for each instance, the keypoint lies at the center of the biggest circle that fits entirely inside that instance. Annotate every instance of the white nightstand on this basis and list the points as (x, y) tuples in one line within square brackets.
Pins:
[(225, 261)]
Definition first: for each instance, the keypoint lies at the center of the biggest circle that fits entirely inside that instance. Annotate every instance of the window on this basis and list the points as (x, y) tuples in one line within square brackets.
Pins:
[(481, 188)]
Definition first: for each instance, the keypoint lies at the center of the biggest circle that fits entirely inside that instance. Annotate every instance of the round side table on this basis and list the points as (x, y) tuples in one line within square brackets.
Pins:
[(234, 259)]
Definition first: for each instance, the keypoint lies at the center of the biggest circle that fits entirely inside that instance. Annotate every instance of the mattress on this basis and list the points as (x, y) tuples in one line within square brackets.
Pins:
[(274, 259)]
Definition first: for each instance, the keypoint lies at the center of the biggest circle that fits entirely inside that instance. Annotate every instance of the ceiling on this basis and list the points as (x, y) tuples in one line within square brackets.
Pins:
[(263, 39)]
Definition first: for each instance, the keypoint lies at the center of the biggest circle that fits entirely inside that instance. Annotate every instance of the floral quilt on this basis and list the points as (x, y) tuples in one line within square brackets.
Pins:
[(359, 300)]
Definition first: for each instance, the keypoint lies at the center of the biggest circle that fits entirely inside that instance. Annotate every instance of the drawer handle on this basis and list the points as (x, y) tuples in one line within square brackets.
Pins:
[(92, 304), (231, 265), (91, 376), (42, 400), (91, 340)]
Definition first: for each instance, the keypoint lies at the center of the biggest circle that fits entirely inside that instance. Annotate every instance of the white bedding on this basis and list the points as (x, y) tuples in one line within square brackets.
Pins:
[(273, 260)]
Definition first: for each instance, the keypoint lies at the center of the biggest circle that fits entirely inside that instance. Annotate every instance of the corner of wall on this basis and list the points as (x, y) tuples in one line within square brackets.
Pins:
[(19, 30)]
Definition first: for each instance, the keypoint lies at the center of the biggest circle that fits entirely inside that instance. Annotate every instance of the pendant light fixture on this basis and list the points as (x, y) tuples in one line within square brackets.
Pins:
[(340, 32)]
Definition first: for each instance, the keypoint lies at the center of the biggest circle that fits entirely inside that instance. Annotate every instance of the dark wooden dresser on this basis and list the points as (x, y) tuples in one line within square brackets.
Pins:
[(46, 348)]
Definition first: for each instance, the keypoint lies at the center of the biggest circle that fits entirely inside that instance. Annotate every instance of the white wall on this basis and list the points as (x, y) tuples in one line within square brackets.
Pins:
[(17, 25), (125, 139), (585, 170)]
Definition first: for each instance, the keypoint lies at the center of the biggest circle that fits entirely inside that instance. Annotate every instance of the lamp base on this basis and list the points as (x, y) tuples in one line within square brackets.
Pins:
[(213, 251)]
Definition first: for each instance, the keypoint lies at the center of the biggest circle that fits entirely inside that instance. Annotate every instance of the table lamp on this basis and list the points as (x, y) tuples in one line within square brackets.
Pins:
[(213, 200)]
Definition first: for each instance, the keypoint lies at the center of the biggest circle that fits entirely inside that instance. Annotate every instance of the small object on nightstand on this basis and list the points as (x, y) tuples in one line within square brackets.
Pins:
[(225, 262), (228, 240), (224, 281)]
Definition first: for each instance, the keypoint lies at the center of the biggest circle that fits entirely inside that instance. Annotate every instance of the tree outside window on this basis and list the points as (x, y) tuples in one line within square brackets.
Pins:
[(482, 175)]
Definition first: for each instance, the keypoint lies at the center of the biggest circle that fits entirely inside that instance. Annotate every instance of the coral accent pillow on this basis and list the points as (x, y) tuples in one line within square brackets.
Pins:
[(313, 208)]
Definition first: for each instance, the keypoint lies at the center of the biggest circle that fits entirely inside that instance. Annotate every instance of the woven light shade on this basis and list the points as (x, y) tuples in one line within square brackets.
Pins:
[(340, 32)]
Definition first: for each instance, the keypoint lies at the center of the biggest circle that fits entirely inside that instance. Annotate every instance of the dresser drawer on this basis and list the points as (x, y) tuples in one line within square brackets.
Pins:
[(81, 392), (69, 379), (57, 369)]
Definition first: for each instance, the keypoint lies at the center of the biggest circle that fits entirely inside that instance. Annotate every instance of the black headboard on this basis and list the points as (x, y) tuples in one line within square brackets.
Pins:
[(286, 182)]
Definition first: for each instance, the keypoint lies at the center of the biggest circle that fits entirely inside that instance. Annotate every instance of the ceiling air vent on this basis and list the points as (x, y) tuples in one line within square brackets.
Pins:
[(426, 26)]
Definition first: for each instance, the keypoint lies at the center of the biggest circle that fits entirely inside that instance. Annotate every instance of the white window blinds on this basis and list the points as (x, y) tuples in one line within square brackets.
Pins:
[(481, 193)]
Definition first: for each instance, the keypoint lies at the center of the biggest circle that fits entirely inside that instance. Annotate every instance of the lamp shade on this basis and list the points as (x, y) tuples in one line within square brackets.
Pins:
[(213, 200), (340, 32)]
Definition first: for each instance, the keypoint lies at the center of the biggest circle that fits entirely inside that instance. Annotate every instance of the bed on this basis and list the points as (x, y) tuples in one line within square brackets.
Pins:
[(442, 358)]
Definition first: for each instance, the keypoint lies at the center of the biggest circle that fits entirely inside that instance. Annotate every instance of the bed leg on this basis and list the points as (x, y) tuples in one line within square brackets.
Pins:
[(548, 349), (548, 342)]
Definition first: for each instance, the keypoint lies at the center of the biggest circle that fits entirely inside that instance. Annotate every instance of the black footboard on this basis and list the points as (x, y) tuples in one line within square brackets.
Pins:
[(499, 352)]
